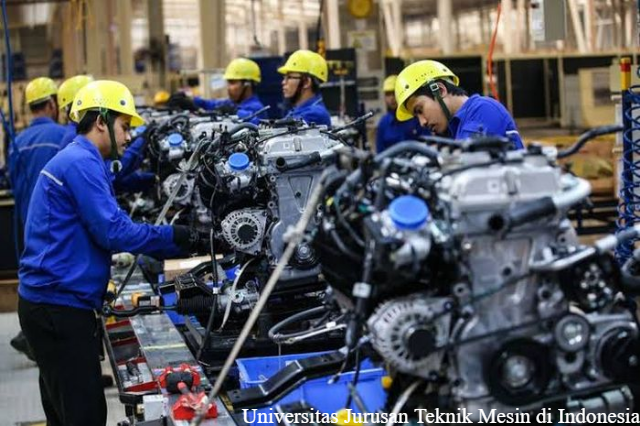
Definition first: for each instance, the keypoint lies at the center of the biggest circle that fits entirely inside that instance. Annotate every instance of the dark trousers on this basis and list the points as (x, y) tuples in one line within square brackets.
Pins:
[(65, 343)]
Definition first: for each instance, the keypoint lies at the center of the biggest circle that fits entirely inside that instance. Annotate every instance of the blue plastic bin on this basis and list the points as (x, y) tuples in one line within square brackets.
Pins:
[(325, 397)]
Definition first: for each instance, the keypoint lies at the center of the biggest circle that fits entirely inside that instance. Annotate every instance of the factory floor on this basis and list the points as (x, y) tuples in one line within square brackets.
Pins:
[(19, 391)]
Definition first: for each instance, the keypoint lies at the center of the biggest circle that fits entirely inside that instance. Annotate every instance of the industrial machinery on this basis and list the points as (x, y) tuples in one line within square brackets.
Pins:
[(456, 264), (242, 187)]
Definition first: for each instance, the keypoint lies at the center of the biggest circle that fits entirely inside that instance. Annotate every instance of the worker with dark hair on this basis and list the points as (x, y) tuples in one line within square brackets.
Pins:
[(242, 76), (390, 129), (129, 179), (429, 91), (303, 73), (71, 232), (32, 149)]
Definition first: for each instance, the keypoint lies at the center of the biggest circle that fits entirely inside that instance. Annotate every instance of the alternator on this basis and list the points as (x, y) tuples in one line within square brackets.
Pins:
[(183, 196), (244, 229), (408, 331)]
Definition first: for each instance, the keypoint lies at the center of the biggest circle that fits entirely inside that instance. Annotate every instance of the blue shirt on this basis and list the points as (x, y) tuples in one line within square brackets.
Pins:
[(391, 131), (483, 115), (73, 227), (245, 108), (32, 149), (69, 134), (312, 111), (129, 179)]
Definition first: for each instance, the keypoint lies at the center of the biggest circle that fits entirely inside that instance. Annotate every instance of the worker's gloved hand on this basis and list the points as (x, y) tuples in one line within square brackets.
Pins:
[(180, 100), (144, 131), (227, 109), (188, 239)]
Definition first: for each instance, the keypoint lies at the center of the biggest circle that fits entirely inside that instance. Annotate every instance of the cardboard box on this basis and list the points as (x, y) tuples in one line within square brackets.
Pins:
[(175, 267)]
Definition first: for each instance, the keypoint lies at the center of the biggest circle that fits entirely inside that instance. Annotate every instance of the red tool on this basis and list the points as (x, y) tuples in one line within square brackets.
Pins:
[(189, 404), (170, 377), (182, 380)]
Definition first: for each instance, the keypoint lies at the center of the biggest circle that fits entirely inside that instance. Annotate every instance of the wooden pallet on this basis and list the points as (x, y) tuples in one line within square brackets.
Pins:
[(8, 295)]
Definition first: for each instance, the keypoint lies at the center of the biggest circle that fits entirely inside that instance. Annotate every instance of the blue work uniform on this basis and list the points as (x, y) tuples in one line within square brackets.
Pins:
[(129, 179), (74, 227), (244, 109), (312, 111), (32, 149), (70, 132), (391, 131), (481, 115)]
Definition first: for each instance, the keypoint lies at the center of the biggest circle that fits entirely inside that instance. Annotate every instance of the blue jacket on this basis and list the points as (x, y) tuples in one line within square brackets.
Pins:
[(245, 108), (312, 111), (391, 131), (70, 133), (128, 179), (32, 149), (73, 227), (484, 115)]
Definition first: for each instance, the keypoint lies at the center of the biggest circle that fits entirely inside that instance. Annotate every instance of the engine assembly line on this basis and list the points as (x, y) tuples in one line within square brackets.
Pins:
[(310, 212)]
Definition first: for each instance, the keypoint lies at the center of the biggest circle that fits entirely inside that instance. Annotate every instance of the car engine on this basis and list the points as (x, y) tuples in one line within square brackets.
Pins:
[(457, 265)]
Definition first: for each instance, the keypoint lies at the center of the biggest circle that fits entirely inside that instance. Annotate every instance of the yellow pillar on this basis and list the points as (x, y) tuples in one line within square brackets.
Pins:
[(97, 33), (124, 35), (213, 53)]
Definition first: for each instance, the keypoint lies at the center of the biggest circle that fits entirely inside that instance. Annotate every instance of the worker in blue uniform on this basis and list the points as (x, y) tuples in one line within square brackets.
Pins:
[(68, 90), (129, 179), (390, 130), (242, 76), (37, 144), (303, 73), (429, 91), (71, 232), (32, 149)]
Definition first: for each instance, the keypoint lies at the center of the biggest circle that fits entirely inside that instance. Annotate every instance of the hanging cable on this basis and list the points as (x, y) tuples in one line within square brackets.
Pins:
[(319, 37), (9, 70), (253, 24), (492, 84)]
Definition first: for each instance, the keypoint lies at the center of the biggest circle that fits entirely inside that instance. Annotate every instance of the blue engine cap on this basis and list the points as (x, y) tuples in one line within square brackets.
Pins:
[(408, 212), (175, 139), (238, 161)]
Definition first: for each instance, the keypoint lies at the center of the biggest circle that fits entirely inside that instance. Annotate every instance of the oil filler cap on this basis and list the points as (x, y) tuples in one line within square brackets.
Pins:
[(238, 161), (408, 212), (175, 139)]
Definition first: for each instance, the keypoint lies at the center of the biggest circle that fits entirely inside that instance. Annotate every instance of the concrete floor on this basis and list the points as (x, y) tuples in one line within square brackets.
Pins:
[(19, 391)]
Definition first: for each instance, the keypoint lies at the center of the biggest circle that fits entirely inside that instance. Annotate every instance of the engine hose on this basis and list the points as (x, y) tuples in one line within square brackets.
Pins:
[(249, 126), (440, 141), (293, 318), (628, 212), (195, 305), (587, 136), (342, 246), (207, 332)]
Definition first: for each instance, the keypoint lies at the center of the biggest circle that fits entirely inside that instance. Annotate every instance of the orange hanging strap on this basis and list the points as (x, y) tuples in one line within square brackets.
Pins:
[(492, 84)]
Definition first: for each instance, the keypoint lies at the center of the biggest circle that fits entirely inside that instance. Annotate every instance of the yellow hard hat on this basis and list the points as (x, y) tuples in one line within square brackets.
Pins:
[(242, 69), (106, 94), (415, 76), (389, 84), (161, 97), (308, 62), (40, 89), (70, 87)]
